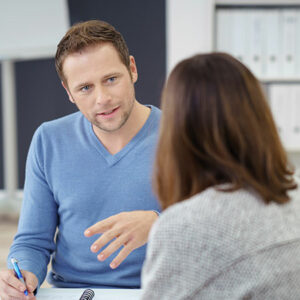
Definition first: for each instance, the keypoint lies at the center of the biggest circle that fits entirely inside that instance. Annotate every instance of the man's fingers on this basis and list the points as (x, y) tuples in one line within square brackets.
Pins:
[(31, 281), (10, 291), (127, 249), (100, 227), (112, 247), (10, 279), (104, 239), (12, 288), (133, 226)]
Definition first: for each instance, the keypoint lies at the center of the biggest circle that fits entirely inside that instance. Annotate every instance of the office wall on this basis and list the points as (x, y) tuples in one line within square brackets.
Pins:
[(40, 96)]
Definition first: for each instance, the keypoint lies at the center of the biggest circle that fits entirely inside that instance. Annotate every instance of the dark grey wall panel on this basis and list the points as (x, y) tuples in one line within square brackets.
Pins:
[(40, 98), (1, 140), (142, 24)]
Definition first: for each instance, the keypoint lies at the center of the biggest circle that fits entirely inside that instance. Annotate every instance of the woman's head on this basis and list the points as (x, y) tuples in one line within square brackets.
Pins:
[(217, 128)]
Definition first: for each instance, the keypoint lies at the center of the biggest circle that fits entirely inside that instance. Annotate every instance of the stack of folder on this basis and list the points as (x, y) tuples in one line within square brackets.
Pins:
[(265, 39)]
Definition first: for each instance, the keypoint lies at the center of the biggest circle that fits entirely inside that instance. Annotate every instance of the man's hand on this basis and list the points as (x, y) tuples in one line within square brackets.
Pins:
[(129, 229), (12, 288)]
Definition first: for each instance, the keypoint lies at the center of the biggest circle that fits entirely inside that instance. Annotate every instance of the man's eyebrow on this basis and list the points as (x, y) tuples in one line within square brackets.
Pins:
[(80, 85), (113, 74)]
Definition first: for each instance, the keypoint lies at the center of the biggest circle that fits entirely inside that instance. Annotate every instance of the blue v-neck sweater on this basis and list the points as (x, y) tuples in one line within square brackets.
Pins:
[(72, 182)]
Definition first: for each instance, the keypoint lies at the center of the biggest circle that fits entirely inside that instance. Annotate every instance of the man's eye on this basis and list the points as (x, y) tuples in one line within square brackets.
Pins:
[(85, 88), (111, 79)]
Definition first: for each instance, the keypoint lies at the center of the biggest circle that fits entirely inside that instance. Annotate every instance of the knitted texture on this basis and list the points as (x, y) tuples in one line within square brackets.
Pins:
[(225, 245)]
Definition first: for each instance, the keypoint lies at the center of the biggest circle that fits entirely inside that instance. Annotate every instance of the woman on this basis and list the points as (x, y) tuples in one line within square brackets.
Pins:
[(231, 228)]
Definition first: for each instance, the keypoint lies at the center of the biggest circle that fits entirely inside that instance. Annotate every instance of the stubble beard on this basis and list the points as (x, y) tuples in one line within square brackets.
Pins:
[(125, 116)]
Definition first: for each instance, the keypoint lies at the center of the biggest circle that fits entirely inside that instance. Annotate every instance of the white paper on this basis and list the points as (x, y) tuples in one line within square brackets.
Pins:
[(272, 67), (279, 97), (256, 41), (288, 41), (224, 30), (239, 31), (295, 117), (100, 294)]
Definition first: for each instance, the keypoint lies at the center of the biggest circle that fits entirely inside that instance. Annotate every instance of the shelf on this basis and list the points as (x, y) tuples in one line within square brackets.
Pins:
[(293, 150), (280, 80), (257, 2)]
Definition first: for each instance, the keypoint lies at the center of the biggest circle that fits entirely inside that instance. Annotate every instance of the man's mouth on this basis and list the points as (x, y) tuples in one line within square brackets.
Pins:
[(108, 112)]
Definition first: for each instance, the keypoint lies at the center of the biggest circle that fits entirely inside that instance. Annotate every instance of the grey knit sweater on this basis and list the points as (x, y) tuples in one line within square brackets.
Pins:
[(220, 245)]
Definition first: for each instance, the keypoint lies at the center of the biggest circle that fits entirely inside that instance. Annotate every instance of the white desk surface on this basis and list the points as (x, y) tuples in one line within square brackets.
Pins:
[(100, 294)]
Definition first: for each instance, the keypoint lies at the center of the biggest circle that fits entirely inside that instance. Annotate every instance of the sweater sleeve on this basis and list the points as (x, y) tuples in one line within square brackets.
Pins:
[(34, 241)]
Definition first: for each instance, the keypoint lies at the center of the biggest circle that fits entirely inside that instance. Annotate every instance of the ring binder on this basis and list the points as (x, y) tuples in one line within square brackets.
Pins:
[(88, 294)]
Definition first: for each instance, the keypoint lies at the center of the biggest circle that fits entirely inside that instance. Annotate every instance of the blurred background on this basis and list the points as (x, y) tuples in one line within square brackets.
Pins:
[(262, 34)]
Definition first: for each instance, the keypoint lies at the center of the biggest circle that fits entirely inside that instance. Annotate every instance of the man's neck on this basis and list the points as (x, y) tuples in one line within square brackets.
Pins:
[(116, 141)]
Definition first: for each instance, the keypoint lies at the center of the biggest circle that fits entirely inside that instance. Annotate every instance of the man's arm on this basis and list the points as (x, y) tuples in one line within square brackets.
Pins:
[(127, 229), (34, 241)]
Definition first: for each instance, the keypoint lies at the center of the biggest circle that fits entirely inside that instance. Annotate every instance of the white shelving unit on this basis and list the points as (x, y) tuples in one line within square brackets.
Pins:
[(263, 35), (256, 2), (192, 28)]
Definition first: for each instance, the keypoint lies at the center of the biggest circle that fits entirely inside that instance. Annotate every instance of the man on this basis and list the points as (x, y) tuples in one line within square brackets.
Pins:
[(88, 173)]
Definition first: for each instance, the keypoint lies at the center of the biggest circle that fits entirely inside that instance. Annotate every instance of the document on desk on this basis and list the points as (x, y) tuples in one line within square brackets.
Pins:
[(100, 294)]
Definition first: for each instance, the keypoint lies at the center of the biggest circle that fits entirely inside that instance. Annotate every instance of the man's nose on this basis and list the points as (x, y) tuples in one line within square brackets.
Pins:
[(102, 95)]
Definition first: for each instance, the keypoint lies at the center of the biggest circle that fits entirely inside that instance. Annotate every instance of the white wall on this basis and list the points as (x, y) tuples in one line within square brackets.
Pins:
[(189, 29), (31, 28)]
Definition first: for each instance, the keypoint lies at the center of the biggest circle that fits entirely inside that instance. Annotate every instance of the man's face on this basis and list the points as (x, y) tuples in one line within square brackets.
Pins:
[(101, 86)]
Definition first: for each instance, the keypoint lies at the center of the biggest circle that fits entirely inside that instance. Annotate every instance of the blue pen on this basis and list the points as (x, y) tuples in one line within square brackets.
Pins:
[(18, 272)]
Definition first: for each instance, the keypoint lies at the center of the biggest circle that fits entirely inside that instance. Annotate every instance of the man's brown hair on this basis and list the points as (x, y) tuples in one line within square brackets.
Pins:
[(85, 34), (217, 128)]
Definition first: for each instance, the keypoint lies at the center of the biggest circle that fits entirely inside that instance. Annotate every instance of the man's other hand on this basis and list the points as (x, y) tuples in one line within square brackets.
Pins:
[(127, 229)]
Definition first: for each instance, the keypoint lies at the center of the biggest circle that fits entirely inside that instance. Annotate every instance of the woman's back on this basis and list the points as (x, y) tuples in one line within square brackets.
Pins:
[(225, 245), (243, 242)]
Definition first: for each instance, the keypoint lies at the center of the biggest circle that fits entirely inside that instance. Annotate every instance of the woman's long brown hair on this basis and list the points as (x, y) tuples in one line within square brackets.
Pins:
[(217, 128)]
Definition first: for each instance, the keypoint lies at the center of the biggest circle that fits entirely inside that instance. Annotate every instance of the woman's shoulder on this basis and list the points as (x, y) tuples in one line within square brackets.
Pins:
[(197, 210), (218, 210), (213, 201)]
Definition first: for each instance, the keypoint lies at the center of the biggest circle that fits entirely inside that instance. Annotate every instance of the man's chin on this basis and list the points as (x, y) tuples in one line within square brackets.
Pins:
[(109, 129)]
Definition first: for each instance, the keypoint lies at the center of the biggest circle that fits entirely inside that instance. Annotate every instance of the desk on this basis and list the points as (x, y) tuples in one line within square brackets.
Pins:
[(100, 294)]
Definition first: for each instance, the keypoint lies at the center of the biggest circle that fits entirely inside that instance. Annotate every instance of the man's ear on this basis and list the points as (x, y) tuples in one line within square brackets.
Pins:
[(133, 69), (67, 90)]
